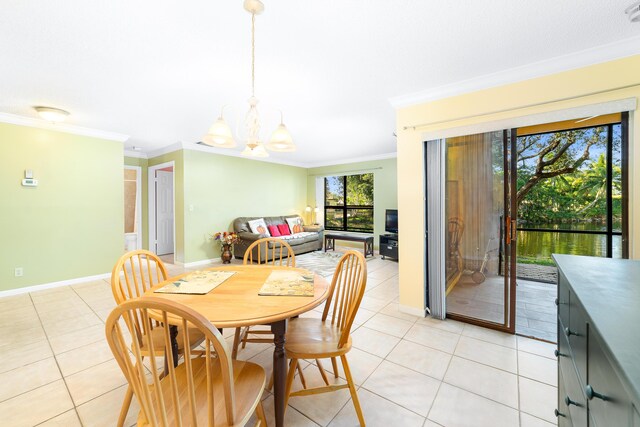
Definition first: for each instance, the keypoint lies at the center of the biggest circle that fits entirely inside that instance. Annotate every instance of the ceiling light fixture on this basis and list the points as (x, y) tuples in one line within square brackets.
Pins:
[(634, 12), (50, 114), (220, 134)]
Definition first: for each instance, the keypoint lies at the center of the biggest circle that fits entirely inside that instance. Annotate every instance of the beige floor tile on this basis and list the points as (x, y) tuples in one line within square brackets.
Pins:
[(378, 412), (457, 407), (36, 406), (15, 301), (54, 328), (373, 342), (403, 386), (489, 335), (434, 338), (22, 337), (429, 423), (448, 325), (321, 408), (77, 339), (91, 383), (540, 348), (85, 357), (28, 377), (12, 357), (392, 309), (373, 304), (68, 419), (527, 420), (103, 411), (487, 353), (483, 380), (361, 363), (69, 313), (538, 368), (362, 315), (292, 418), (538, 399), (423, 359), (389, 325)]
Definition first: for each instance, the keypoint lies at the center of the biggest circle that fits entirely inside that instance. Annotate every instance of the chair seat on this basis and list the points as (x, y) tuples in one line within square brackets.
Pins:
[(249, 381), (157, 335), (309, 338)]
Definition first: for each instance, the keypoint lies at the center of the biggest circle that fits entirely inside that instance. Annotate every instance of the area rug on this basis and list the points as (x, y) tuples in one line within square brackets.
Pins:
[(322, 263)]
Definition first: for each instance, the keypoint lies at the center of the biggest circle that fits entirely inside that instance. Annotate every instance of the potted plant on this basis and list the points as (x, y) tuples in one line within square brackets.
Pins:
[(226, 239)]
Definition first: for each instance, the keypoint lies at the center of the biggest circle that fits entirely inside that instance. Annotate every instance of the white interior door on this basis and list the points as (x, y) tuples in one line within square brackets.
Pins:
[(164, 212)]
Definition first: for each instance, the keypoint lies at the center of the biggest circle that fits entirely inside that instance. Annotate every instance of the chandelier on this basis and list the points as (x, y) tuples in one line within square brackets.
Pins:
[(220, 134)]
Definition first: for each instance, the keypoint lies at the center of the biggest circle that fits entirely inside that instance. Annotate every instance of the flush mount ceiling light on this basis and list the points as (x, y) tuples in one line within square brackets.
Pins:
[(220, 134), (50, 114), (633, 12)]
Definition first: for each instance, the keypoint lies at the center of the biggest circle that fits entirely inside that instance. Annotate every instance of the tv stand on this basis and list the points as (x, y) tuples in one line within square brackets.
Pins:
[(389, 245)]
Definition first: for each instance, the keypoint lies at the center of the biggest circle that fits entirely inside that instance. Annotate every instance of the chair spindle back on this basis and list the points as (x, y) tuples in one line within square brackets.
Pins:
[(275, 252)]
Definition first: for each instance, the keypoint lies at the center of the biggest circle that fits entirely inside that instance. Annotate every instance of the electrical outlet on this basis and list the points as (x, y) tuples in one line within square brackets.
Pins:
[(19, 272)]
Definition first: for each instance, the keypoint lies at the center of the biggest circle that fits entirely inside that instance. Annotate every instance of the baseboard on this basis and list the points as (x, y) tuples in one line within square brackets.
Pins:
[(202, 262), (52, 285), (420, 312)]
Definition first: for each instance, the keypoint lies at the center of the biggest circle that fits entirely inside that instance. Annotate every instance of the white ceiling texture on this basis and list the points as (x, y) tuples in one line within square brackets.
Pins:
[(159, 70)]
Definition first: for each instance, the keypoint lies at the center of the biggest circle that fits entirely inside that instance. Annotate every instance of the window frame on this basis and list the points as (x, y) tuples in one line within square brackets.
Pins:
[(346, 207)]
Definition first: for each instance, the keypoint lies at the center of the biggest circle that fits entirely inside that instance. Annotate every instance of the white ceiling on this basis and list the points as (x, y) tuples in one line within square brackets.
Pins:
[(160, 70)]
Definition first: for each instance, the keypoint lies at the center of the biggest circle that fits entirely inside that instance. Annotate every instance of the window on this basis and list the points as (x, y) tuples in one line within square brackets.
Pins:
[(348, 203)]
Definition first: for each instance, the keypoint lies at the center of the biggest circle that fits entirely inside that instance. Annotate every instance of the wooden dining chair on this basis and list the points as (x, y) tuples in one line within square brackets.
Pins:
[(329, 337), (134, 274), (275, 252), (205, 390)]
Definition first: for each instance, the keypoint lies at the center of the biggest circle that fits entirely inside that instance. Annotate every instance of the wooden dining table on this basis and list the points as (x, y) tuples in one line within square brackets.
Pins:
[(236, 303)]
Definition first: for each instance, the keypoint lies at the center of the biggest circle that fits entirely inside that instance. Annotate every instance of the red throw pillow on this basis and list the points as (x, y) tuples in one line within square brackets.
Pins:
[(273, 229), (284, 229)]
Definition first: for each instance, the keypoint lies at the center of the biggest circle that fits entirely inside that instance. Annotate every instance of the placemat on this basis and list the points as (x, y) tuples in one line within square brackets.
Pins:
[(198, 283), (288, 283)]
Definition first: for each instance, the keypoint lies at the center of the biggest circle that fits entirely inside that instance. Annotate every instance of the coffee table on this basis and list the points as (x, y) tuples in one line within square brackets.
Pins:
[(330, 238)]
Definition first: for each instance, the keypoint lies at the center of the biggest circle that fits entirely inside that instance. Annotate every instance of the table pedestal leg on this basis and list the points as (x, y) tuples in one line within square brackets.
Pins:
[(279, 370)]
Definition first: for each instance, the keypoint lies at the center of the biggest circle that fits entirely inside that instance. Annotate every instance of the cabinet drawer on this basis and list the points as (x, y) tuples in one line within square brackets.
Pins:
[(609, 404), (576, 331), (563, 299), (565, 359), (573, 396)]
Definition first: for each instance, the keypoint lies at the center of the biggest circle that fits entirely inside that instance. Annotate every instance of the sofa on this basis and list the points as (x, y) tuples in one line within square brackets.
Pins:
[(309, 240)]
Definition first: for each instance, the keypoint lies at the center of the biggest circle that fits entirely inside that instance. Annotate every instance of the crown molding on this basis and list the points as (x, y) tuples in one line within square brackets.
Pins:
[(136, 154), (595, 55), (61, 127), (353, 160)]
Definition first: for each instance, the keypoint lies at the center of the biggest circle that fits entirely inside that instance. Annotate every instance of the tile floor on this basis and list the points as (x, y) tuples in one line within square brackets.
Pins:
[(56, 368)]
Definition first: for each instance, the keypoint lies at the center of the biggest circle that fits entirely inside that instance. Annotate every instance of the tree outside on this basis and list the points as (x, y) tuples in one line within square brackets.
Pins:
[(349, 202)]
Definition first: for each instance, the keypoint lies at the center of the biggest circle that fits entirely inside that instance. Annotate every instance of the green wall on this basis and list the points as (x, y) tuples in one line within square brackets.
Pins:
[(143, 163), (385, 186), (72, 224), (218, 189)]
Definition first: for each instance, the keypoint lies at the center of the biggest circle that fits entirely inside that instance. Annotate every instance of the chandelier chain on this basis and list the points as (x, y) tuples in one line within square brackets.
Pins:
[(253, 54)]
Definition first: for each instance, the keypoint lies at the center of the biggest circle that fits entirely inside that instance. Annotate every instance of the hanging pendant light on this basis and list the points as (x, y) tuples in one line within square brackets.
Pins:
[(220, 135)]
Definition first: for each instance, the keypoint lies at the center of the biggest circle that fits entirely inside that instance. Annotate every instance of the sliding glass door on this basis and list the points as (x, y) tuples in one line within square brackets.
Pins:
[(480, 282)]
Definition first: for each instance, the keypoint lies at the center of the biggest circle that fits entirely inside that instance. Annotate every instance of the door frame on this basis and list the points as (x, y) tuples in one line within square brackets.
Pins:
[(153, 241), (138, 219)]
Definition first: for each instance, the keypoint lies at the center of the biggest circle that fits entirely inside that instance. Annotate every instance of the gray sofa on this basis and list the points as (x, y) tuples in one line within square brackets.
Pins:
[(306, 243)]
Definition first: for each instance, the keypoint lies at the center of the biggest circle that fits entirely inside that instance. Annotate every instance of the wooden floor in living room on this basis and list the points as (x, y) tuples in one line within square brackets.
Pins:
[(57, 370)]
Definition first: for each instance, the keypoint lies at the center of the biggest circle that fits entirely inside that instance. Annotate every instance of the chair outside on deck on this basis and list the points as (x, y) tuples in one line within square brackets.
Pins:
[(135, 273), (207, 390), (309, 338)]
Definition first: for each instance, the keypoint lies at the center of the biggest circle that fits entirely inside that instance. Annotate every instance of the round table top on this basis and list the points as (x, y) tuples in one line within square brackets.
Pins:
[(236, 302)]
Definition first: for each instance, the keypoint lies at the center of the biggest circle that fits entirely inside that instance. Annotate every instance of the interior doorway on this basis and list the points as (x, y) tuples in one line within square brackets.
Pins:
[(162, 211), (132, 208)]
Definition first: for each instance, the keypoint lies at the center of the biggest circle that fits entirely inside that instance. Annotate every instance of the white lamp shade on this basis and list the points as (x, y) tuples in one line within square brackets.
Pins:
[(281, 140), (219, 135), (255, 151)]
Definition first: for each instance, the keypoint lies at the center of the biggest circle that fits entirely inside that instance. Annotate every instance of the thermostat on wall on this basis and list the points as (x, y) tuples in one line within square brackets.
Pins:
[(30, 182)]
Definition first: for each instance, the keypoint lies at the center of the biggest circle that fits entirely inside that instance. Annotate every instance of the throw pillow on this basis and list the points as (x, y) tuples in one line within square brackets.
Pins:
[(295, 224), (284, 229), (258, 226), (273, 229)]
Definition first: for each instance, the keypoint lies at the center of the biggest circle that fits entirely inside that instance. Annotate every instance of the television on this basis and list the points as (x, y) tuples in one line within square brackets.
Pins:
[(391, 221)]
